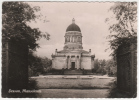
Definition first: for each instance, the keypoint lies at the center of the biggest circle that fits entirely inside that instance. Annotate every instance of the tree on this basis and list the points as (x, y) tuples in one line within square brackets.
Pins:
[(111, 67), (103, 62), (96, 65), (124, 28), (99, 66), (15, 16), (46, 62), (38, 64)]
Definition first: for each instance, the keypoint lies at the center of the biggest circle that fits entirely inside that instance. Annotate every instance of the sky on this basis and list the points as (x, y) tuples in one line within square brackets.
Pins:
[(89, 16)]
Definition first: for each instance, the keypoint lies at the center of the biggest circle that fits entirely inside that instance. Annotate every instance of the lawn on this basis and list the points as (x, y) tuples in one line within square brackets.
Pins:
[(57, 87), (79, 83), (73, 86)]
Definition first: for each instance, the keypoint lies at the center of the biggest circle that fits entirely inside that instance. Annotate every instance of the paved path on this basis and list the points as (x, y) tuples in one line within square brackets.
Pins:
[(73, 93), (74, 76)]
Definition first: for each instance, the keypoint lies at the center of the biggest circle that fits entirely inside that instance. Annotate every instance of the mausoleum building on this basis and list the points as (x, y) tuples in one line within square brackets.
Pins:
[(73, 56)]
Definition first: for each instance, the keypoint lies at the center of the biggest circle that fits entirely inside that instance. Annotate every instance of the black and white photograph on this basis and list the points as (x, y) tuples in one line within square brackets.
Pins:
[(69, 49)]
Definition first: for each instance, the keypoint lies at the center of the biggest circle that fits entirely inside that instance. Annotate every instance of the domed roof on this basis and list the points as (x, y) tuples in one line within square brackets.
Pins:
[(73, 27)]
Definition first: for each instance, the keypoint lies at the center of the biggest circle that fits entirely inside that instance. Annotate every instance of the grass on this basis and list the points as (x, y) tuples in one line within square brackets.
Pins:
[(73, 88), (50, 83)]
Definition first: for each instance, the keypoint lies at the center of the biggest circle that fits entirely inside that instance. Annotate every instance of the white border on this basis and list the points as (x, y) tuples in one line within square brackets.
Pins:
[(72, 1)]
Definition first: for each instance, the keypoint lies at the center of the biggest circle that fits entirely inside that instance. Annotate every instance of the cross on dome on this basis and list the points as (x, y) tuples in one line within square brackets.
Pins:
[(73, 20)]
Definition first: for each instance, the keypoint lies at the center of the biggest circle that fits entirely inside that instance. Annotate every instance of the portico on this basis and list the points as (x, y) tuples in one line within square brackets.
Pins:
[(73, 62)]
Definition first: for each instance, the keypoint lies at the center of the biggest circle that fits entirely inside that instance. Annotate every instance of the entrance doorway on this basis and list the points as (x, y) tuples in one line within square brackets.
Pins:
[(72, 65)]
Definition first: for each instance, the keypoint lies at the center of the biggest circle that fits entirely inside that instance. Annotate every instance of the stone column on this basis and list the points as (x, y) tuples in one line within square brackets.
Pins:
[(65, 39), (69, 62), (76, 62), (69, 38), (73, 39), (80, 62), (66, 63), (76, 39)]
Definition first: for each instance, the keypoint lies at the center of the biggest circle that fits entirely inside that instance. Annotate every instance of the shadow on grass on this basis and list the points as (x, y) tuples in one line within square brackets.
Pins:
[(115, 93)]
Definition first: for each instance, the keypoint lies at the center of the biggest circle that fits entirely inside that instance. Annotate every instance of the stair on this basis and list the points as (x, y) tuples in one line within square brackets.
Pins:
[(73, 72)]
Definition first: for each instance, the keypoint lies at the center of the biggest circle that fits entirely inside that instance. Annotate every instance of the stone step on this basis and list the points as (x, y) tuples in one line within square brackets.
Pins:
[(73, 72)]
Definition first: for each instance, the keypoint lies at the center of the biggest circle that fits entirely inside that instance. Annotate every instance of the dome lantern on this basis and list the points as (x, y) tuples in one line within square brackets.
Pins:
[(73, 27), (73, 20)]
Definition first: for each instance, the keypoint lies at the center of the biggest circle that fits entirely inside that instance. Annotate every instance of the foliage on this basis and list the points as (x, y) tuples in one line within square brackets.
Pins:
[(111, 67), (105, 67), (47, 63), (38, 64), (96, 65), (15, 16), (124, 28), (99, 66)]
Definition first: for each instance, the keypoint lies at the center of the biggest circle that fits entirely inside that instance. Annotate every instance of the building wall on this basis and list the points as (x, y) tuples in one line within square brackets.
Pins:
[(62, 62), (59, 62), (92, 62), (86, 63)]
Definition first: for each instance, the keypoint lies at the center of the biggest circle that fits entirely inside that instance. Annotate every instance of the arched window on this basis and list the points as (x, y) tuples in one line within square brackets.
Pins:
[(68, 39), (72, 38), (79, 39), (75, 39)]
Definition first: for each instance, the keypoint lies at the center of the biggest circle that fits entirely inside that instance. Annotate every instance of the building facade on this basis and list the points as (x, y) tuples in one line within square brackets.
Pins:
[(73, 56)]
